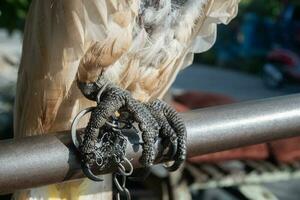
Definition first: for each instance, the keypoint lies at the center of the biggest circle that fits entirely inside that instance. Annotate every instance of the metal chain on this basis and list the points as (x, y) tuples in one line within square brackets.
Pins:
[(123, 173), (121, 188), (124, 166), (112, 144)]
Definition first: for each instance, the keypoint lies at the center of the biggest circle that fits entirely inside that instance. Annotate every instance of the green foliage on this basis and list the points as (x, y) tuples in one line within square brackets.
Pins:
[(263, 8), (13, 14)]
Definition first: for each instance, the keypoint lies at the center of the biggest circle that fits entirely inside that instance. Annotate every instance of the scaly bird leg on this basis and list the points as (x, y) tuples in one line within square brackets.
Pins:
[(148, 126), (172, 131), (113, 99), (155, 119), (99, 115)]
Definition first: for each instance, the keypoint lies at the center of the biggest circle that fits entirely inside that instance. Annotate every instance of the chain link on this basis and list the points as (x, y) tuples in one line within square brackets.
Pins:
[(121, 188), (110, 144)]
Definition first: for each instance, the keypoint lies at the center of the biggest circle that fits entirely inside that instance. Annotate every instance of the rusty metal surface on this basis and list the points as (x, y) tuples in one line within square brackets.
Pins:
[(42, 160)]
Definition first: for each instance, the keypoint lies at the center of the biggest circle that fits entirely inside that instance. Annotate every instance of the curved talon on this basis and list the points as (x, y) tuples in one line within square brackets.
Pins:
[(155, 119), (172, 129), (174, 166), (87, 171), (173, 148), (171, 154)]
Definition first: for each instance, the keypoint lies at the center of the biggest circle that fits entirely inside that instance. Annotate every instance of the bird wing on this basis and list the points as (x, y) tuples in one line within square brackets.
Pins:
[(57, 35), (164, 40), (75, 38)]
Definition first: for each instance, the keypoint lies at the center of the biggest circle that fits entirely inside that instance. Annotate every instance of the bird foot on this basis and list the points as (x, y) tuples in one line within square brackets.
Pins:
[(103, 151), (172, 132), (155, 119)]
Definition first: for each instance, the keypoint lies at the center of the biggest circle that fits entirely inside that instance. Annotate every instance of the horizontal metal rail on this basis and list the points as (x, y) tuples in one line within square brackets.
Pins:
[(41, 160)]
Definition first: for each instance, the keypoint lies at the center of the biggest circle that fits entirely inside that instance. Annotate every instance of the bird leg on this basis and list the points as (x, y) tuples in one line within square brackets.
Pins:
[(155, 119), (172, 131)]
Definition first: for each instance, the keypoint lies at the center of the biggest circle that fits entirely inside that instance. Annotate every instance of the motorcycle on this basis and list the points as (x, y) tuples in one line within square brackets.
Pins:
[(282, 66)]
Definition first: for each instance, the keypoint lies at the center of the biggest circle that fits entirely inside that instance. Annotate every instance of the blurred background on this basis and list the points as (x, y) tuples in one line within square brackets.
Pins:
[(256, 56)]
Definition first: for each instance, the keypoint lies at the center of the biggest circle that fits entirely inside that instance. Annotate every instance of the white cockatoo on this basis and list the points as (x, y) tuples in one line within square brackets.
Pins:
[(138, 45)]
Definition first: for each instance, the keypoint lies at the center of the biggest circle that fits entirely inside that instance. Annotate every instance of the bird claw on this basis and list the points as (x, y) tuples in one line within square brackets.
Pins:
[(170, 144), (155, 119), (172, 132)]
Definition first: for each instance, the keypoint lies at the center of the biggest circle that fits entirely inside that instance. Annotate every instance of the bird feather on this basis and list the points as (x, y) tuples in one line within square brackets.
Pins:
[(141, 45)]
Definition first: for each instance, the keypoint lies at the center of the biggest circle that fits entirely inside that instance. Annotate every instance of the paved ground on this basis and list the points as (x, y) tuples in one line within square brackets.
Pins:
[(10, 44), (241, 87), (235, 84), (10, 52)]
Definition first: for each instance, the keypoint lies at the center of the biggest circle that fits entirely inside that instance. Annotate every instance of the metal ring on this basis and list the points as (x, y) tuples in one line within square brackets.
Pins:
[(111, 124), (87, 171), (127, 125), (99, 163), (101, 91), (117, 196), (119, 187), (122, 169), (75, 123), (127, 194)]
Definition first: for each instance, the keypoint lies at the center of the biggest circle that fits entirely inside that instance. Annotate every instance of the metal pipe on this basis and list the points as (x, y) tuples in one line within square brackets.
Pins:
[(41, 160)]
